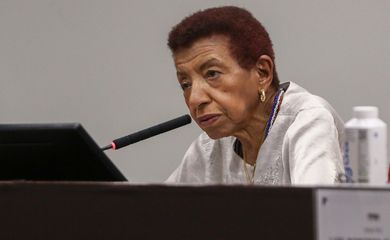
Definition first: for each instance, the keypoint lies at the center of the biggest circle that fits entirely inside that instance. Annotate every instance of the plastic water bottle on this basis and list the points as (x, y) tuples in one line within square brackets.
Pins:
[(365, 147)]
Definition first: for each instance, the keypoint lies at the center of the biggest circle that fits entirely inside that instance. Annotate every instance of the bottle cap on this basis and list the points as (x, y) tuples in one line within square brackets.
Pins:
[(365, 112)]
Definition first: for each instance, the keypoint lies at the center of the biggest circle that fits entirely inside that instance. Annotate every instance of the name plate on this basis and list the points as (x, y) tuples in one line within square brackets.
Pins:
[(353, 214)]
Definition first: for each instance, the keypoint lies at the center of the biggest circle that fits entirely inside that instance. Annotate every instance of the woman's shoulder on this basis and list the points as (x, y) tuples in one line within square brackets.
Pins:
[(297, 99)]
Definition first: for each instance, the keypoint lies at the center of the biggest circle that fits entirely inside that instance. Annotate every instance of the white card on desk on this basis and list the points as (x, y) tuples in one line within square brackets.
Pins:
[(353, 214)]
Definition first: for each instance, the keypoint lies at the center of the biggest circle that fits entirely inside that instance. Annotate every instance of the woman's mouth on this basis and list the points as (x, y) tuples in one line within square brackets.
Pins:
[(208, 119)]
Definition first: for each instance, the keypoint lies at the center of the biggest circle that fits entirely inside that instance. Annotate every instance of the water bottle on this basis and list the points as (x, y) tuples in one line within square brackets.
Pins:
[(365, 147)]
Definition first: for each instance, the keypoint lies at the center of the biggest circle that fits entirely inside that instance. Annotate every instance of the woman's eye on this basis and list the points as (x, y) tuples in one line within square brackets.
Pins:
[(212, 74), (185, 85)]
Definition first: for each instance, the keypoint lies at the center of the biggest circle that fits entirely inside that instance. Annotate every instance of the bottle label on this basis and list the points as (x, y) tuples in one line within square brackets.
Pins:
[(365, 155)]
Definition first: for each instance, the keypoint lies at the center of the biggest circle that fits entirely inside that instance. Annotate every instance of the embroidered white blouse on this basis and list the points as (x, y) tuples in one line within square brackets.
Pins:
[(303, 147)]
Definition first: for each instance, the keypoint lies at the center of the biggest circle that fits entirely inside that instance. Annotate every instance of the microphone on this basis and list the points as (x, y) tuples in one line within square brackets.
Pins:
[(149, 132)]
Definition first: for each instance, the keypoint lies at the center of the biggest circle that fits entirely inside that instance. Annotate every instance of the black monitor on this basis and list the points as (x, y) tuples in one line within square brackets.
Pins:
[(53, 152)]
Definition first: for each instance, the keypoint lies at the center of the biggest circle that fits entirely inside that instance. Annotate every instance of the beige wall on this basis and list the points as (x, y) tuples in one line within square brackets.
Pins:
[(105, 64)]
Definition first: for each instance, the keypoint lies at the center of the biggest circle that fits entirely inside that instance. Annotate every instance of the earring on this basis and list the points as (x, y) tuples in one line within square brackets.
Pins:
[(262, 95)]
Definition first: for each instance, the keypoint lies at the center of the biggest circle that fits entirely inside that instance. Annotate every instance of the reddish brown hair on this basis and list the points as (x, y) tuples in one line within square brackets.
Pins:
[(248, 38)]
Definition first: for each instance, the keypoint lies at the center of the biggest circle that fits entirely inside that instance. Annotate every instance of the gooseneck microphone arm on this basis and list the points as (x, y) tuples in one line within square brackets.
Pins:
[(149, 132)]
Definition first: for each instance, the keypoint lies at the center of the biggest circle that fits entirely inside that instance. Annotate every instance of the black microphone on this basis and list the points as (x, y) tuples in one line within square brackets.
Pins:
[(149, 132)]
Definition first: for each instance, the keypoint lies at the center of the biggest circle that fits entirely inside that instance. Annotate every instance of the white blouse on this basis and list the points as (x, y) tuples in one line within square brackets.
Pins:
[(303, 147)]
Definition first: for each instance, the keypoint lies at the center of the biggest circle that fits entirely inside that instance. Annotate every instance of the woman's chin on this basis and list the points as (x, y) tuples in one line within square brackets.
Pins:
[(215, 134)]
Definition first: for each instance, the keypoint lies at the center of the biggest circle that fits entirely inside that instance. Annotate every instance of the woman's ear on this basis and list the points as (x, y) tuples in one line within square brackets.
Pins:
[(265, 70)]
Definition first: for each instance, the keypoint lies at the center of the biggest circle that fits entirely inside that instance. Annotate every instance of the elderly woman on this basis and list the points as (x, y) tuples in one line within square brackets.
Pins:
[(256, 130)]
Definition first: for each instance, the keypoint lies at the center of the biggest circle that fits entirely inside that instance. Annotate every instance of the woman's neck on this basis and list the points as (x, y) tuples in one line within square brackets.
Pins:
[(252, 136)]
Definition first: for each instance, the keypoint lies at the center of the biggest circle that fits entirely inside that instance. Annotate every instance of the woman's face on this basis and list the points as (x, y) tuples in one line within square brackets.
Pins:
[(222, 97)]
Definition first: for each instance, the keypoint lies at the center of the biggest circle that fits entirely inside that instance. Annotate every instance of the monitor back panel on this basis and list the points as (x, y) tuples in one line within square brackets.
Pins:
[(55, 152)]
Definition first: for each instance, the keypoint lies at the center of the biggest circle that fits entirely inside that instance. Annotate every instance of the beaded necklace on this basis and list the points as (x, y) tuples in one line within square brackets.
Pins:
[(274, 112)]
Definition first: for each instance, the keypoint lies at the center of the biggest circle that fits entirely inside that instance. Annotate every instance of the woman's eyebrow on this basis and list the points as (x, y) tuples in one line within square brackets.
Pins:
[(210, 62), (180, 74), (203, 66)]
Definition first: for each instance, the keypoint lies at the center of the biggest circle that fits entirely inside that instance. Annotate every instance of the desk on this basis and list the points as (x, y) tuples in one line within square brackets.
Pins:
[(81, 210)]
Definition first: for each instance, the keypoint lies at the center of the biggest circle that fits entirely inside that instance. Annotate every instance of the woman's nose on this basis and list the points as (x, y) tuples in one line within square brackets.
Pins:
[(198, 96)]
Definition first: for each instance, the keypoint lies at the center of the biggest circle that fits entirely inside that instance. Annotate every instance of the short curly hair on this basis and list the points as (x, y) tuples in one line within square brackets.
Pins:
[(248, 38)]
